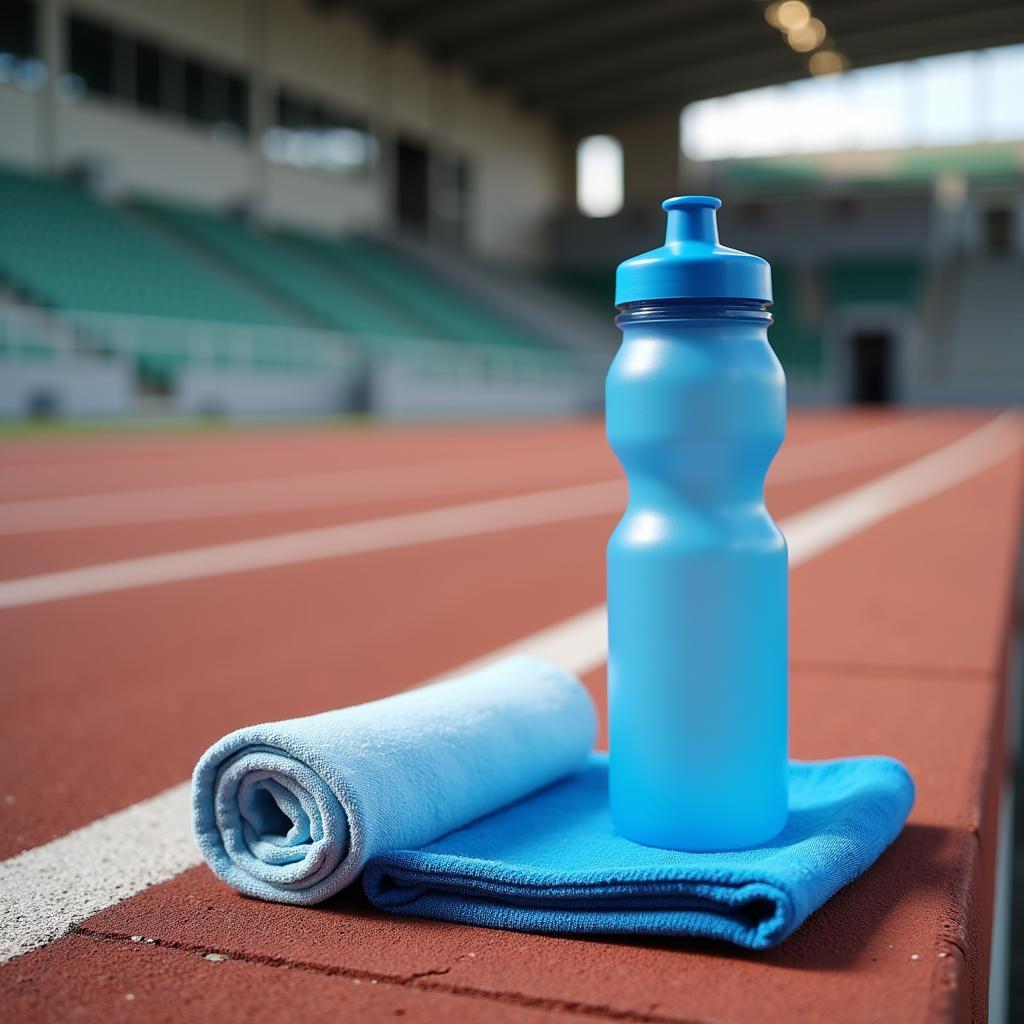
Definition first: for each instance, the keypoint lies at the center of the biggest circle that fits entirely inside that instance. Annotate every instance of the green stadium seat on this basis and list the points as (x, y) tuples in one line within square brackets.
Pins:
[(62, 249), (429, 305), (318, 298), (595, 288), (873, 281), (797, 343)]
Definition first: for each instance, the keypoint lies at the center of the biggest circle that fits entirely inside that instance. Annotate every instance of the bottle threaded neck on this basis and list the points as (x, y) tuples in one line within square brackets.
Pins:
[(650, 310)]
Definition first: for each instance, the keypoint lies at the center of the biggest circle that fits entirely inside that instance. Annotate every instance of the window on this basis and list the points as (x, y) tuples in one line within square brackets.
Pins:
[(172, 84), (947, 86), (955, 99), (147, 76), (114, 63), (451, 182), (845, 209), (195, 92), (238, 103), (18, 29), (1005, 87), (310, 135), (91, 55), (19, 46), (599, 184)]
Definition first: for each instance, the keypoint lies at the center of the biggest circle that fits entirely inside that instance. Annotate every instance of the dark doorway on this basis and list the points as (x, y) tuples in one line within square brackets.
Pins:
[(412, 186), (999, 231), (872, 370)]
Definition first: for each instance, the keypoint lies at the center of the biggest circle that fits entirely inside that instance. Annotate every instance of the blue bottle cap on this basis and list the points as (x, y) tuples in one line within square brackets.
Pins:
[(691, 264)]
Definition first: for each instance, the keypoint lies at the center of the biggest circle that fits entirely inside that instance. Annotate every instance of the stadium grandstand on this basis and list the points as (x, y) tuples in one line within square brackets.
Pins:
[(293, 208)]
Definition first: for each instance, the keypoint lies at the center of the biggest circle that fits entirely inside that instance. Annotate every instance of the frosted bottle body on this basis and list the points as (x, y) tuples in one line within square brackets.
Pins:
[(697, 579)]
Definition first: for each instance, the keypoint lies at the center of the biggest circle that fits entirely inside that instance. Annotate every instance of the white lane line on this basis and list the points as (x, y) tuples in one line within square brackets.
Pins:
[(860, 449), (474, 518), (470, 519), (47, 890), (255, 497), (825, 525), (336, 490), (579, 644)]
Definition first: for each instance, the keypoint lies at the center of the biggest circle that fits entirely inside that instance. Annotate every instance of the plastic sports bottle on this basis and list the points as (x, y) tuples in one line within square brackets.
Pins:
[(697, 569)]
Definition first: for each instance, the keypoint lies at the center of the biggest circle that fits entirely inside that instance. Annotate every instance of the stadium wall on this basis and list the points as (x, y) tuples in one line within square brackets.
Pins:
[(333, 58)]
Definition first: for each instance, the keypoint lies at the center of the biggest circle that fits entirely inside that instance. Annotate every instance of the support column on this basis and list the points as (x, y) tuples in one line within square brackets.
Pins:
[(655, 167), (261, 99), (650, 149), (52, 29), (381, 123)]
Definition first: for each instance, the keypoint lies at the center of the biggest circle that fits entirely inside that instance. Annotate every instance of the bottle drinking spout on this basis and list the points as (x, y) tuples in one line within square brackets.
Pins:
[(691, 219)]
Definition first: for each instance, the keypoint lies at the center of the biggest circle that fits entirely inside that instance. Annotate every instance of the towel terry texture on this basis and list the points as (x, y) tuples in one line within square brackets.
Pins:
[(440, 794), (291, 811), (552, 862)]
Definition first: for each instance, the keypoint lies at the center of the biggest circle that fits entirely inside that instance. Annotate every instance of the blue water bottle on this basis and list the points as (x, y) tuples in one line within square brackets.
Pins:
[(697, 569)]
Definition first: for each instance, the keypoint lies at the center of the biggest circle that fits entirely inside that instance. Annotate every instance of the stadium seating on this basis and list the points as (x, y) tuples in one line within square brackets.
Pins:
[(595, 288), (315, 298), (354, 285), (797, 343), (435, 308), (873, 281), (176, 280), (62, 249), (984, 332)]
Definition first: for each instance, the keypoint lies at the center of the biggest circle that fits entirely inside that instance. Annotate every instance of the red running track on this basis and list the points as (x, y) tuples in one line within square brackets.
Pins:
[(899, 643)]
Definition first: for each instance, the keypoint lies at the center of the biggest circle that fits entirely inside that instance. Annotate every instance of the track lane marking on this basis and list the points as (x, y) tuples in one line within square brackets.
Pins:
[(186, 502), (252, 497), (579, 644), (46, 890), (831, 456), (835, 519), (321, 543), (314, 545)]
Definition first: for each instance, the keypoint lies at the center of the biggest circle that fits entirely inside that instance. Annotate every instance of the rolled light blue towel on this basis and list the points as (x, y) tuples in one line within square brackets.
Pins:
[(552, 863), (291, 811)]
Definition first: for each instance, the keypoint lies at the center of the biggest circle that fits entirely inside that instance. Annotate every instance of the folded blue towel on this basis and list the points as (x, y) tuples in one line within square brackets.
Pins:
[(552, 863), (291, 811)]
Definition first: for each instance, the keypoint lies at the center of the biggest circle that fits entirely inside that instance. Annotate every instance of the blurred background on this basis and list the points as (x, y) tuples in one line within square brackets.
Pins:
[(357, 213), (406, 208)]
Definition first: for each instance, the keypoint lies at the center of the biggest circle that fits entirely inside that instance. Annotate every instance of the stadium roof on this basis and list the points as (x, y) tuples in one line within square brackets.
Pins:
[(590, 61)]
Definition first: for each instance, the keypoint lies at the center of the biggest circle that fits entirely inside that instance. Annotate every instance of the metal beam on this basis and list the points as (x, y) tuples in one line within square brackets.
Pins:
[(662, 50), (622, 25), (670, 48), (590, 61), (723, 75), (451, 27)]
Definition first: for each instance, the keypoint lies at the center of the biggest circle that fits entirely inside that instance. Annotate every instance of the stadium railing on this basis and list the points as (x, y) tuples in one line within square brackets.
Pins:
[(160, 348)]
